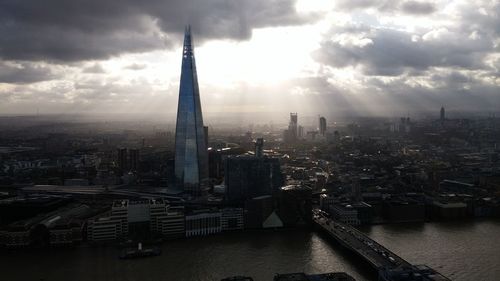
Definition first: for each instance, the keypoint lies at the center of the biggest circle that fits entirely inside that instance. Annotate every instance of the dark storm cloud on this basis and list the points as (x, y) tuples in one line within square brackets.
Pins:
[(452, 79), (381, 5), (486, 19), (95, 68), (391, 52), (455, 90), (418, 8), (24, 73), (31, 42), (408, 7), (450, 63), (96, 29)]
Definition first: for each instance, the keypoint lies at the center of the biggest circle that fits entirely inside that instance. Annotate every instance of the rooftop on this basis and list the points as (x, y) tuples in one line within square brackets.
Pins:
[(295, 187)]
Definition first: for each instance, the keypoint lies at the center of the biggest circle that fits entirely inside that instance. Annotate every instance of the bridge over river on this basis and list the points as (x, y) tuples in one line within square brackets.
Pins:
[(389, 266)]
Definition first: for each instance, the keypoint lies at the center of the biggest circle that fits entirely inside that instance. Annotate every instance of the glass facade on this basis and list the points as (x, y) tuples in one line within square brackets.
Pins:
[(191, 158)]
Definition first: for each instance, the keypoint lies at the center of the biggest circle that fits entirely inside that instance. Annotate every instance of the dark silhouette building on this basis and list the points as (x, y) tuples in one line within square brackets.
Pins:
[(259, 147), (294, 205), (127, 160), (291, 135), (122, 160), (248, 176), (133, 159), (322, 125), (292, 127)]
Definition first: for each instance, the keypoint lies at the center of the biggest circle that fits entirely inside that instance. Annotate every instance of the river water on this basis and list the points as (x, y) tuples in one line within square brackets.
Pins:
[(459, 250)]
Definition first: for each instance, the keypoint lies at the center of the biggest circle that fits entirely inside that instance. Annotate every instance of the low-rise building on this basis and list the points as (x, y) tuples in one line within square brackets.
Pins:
[(232, 219), (135, 217), (295, 205), (204, 222), (64, 226), (345, 213), (403, 210), (171, 224), (325, 201), (449, 210)]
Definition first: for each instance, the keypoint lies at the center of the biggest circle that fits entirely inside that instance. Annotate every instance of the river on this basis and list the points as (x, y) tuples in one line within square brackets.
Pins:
[(459, 250)]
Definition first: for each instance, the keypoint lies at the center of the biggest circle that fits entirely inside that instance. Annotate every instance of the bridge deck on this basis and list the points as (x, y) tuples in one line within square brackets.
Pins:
[(377, 255), (389, 265)]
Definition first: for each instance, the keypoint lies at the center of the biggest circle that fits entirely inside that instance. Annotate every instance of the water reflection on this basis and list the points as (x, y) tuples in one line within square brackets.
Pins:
[(460, 250)]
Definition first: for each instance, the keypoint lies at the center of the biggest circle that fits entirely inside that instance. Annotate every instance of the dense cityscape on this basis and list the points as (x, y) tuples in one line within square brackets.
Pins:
[(67, 183), (309, 194)]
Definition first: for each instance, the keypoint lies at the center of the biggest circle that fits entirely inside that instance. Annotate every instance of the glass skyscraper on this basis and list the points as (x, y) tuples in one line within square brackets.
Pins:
[(191, 158)]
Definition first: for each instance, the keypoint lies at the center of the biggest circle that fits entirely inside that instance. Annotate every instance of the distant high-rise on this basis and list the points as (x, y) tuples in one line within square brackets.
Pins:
[(205, 129), (292, 127), (259, 147), (191, 158), (133, 159), (127, 160), (442, 116), (300, 132), (122, 160), (322, 125)]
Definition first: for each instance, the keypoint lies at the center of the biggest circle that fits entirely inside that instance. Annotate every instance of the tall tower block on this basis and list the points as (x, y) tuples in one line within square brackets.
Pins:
[(191, 158)]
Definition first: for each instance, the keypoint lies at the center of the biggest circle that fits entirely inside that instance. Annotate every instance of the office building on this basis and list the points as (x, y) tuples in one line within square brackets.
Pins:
[(248, 176), (259, 147), (137, 219), (205, 130), (127, 160), (300, 132), (345, 213), (442, 115), (203, 222), (62, 227), (322, 125), (232, 219), (258, 210), (24, 207), (191, 158), (169, 224), (326, 201), (122, 161), (292, 126), (294, 205), (133, 160), (448, 210), (291, 134), (399, 210)]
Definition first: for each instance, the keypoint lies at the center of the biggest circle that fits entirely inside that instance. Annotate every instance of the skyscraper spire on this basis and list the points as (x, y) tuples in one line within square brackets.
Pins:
[(191, 159)]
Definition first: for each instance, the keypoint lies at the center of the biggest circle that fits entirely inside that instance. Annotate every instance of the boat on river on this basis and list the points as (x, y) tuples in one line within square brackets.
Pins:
[(140, 252)]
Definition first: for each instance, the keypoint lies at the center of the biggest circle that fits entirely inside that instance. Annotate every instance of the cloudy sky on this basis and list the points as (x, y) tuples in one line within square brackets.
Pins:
[(366, 57)]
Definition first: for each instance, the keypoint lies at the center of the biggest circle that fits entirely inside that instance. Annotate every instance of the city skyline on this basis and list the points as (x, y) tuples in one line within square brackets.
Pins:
[(322, 140), (368, 58)]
